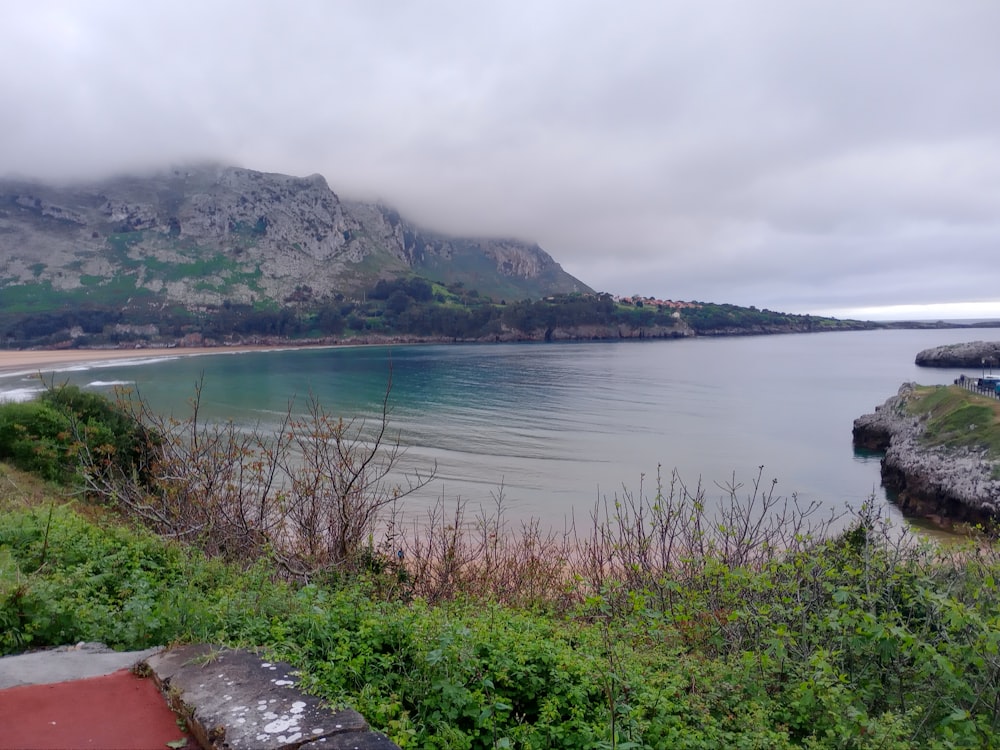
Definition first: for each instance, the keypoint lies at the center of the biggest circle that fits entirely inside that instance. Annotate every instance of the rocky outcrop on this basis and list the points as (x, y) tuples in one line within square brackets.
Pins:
[(605, 333), (594, 333), (968, 354), (946, 485), (207, 235)]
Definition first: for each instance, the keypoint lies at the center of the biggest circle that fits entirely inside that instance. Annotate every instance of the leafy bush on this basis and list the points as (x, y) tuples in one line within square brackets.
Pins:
[(37, 437), (64, 426), (64, 579), (104, 427)]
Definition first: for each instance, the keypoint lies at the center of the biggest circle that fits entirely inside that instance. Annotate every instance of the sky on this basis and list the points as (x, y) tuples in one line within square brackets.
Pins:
[(823, 156)]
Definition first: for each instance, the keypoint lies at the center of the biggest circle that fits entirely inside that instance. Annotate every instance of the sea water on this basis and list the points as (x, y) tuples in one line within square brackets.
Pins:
[(556, 428)]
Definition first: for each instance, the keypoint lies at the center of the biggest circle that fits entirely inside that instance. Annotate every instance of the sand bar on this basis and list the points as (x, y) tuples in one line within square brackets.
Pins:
[(46, 360)]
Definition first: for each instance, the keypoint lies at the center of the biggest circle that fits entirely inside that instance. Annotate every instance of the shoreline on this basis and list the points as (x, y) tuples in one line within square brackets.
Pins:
[(33, 361)]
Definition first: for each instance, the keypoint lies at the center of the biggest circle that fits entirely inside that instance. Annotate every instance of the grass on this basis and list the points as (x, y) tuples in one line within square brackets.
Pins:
[(30, 297), (203, 261), (41, 297), (216, 272), (958, 418), (120, 243)]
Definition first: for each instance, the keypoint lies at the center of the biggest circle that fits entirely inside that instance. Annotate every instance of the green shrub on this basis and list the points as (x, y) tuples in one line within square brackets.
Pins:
[(37, 437), (47, 436), (107, 428)]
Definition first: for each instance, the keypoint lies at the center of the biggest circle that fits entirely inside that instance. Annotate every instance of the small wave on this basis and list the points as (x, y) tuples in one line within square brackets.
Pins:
[(96, 364), (103, 363), (108, 383), (19, 394)]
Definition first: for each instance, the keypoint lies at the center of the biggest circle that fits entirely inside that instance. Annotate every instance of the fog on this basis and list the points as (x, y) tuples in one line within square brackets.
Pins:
[(824, 157)]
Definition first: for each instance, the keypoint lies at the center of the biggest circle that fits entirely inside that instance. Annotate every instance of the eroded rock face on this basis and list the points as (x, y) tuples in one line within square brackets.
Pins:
[(210, 234), (945, 484), (968, 354)]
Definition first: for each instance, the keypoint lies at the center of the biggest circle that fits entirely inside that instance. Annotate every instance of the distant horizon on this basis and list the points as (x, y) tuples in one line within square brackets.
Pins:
[(981, 312), (951, 312)]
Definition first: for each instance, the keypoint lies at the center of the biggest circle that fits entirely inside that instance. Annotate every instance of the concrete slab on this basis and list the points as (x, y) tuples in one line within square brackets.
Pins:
[(67, 663), (233, 700)]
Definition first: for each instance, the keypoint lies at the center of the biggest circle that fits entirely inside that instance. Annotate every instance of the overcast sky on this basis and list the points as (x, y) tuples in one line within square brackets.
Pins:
[(823, 156)]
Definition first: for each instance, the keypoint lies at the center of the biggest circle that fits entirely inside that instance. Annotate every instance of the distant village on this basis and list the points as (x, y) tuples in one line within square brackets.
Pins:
[(639, 301)]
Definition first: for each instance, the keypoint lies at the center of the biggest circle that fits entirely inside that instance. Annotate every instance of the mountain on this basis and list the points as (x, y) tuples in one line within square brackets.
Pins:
[(206, 236)]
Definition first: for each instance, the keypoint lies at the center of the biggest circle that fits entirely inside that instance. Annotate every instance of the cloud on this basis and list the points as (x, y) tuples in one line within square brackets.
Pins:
[(792, 156)]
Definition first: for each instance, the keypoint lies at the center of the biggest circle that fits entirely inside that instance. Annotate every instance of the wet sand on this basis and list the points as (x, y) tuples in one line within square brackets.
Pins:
[(46, 360)]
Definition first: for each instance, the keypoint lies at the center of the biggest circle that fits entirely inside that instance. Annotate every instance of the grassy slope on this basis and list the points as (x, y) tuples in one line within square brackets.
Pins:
[(959, 418)]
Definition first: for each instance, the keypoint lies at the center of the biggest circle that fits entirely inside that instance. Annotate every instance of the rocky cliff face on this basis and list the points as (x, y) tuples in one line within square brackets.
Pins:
[(946, 485), (596, 333), (205, 235), (968, 354)]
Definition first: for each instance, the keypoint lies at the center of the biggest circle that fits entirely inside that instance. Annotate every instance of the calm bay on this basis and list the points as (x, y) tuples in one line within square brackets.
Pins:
[(560, 426)]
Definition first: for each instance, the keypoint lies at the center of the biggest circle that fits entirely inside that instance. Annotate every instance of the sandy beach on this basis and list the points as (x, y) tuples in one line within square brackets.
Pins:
[(45, 360)]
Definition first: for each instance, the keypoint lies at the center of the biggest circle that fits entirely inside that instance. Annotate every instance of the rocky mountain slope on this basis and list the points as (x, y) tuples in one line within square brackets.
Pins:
[(208, 235)]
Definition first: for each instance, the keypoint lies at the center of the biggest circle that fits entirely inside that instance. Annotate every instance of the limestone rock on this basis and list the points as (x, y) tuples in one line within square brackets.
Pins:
[(968, 354), (207, 235), (946, 484)]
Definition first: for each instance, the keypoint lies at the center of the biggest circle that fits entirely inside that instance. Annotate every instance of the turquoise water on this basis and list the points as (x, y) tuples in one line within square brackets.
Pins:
[(560, 426)]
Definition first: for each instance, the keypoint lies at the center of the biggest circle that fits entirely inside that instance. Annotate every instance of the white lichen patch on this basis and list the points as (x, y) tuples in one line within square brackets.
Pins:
[(282, 724)]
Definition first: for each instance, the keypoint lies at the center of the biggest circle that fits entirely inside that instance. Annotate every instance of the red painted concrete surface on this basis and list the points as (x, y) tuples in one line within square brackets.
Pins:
[(118, 711)]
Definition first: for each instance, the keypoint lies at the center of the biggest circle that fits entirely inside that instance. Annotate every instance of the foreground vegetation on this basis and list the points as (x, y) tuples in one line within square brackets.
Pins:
[(663, 624)]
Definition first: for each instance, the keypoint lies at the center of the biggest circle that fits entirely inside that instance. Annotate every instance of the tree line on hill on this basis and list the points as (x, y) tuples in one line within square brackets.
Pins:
[(408, 307)]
